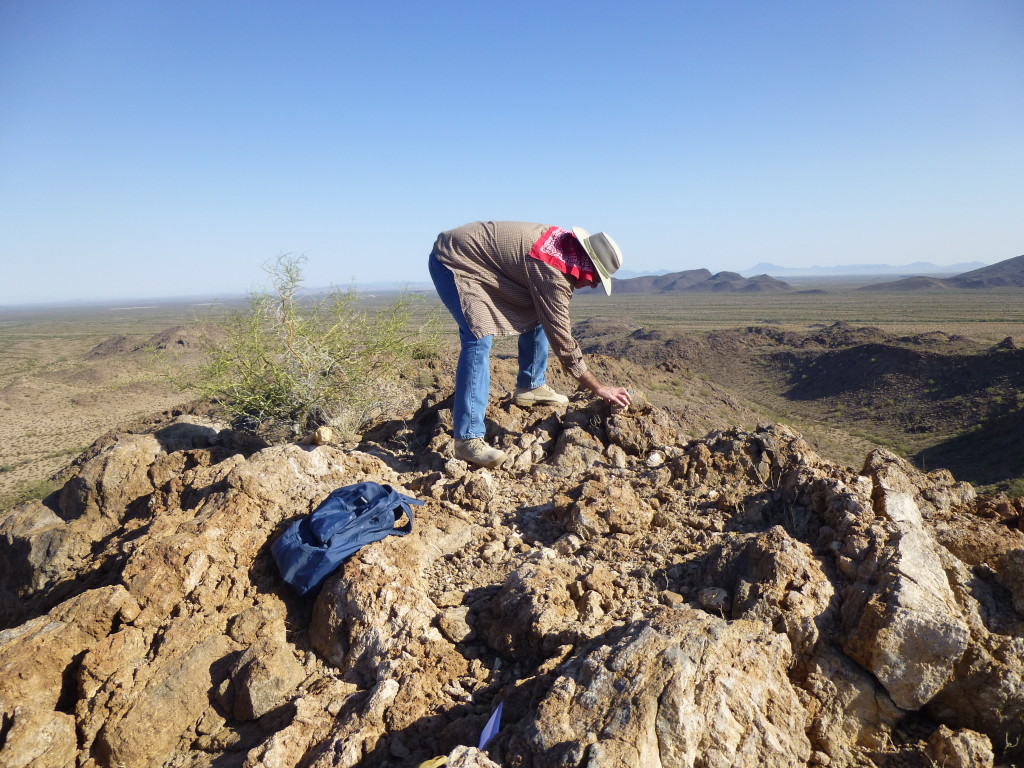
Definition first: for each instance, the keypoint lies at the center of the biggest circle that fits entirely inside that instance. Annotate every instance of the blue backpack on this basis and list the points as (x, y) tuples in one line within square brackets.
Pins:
[(311, 549)]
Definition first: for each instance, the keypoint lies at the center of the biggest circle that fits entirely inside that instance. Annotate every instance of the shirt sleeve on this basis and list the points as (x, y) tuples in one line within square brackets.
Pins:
[(551, 291)]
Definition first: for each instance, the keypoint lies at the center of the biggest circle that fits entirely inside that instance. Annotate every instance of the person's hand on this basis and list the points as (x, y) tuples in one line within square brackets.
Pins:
[(614, 395)]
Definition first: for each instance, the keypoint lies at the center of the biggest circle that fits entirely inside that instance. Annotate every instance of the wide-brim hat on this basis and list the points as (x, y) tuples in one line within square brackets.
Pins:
[(604, 252)]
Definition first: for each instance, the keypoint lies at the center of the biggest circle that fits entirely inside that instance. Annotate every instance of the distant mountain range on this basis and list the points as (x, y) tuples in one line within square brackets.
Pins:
[(1005, 274), (917, 268)]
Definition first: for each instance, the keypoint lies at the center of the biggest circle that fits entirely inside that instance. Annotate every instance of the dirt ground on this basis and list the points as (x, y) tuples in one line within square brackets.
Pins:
[(68, 376)]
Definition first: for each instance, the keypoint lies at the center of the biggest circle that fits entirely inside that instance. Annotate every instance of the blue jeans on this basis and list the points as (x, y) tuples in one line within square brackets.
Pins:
[(473, 373)]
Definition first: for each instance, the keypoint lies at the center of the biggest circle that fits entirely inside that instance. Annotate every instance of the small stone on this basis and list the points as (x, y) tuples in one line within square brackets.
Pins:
[(319, 436), (481, 485), (616, 456), (469, 757), (576, 590), (713, 599), (655, 459), (248, 626), (568, 544), (493, 552), (960, 749), (523, 461), (454, 626), (398, 748), (263, 678), (479, 670), (455, 468), (449, 599), (591, 609), (671, 598)]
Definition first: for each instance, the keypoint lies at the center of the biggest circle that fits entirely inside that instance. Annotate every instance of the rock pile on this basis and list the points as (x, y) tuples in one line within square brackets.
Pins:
[(630, 596)]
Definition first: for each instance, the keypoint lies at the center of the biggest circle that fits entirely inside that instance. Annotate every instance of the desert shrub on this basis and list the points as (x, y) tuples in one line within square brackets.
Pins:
[(31, 491), (293, 362)]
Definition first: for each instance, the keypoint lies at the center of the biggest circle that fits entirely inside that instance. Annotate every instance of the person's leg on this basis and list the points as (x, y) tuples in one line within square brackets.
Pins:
[(533, 358), (533, 366), (472, 386), (473, 373)]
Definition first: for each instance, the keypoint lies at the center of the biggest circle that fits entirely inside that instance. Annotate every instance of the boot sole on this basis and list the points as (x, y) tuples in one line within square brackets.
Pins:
[(488, 465)]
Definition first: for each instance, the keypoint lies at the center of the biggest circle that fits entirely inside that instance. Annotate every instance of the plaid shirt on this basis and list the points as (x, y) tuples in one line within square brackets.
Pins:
[(504, 291)]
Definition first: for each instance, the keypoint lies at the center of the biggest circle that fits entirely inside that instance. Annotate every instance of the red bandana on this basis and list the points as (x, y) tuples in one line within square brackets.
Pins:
[(560, 248)]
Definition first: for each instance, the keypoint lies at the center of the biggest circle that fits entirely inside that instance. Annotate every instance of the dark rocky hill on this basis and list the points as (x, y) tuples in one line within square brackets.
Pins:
[(1004, 274), (933, 394), (702, 280)]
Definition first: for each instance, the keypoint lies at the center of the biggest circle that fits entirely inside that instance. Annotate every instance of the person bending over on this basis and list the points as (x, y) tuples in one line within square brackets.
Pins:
[(499, 278)]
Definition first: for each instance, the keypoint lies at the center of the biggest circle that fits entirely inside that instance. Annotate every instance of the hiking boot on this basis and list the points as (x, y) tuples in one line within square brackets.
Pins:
[(476, 451), (542, 395)]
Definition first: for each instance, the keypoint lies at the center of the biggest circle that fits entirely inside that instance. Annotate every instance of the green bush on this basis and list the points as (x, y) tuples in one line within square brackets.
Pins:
[(299, 364), (31, 491)]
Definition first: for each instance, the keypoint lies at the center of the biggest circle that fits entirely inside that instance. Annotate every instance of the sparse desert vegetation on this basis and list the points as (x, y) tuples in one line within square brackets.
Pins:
[(287, 364)]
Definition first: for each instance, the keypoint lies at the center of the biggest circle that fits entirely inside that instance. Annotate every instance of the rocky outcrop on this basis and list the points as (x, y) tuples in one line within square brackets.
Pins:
[(631, 597), (678, 687)]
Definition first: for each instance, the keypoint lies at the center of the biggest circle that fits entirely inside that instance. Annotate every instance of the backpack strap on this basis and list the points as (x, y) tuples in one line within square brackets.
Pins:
[(407, 528), (404, 503)]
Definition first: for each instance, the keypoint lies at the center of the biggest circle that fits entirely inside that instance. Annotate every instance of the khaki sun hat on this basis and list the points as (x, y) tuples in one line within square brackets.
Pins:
[(603, 252)]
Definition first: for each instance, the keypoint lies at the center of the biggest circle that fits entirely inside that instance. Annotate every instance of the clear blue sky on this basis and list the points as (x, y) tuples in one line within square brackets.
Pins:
[(171, 148)]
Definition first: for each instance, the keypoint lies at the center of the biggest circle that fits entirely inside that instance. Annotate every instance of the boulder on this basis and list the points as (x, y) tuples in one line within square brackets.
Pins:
[(39, 737), (904, 623), (960, 749), (264, 677), (534, 613), (469, 757), (169, 696), (776, 580), (106, 486), (38, 659), (680, 688)]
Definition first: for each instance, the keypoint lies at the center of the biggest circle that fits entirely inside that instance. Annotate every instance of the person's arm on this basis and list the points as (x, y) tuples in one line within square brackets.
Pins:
[(611, 395), (551, 294)]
